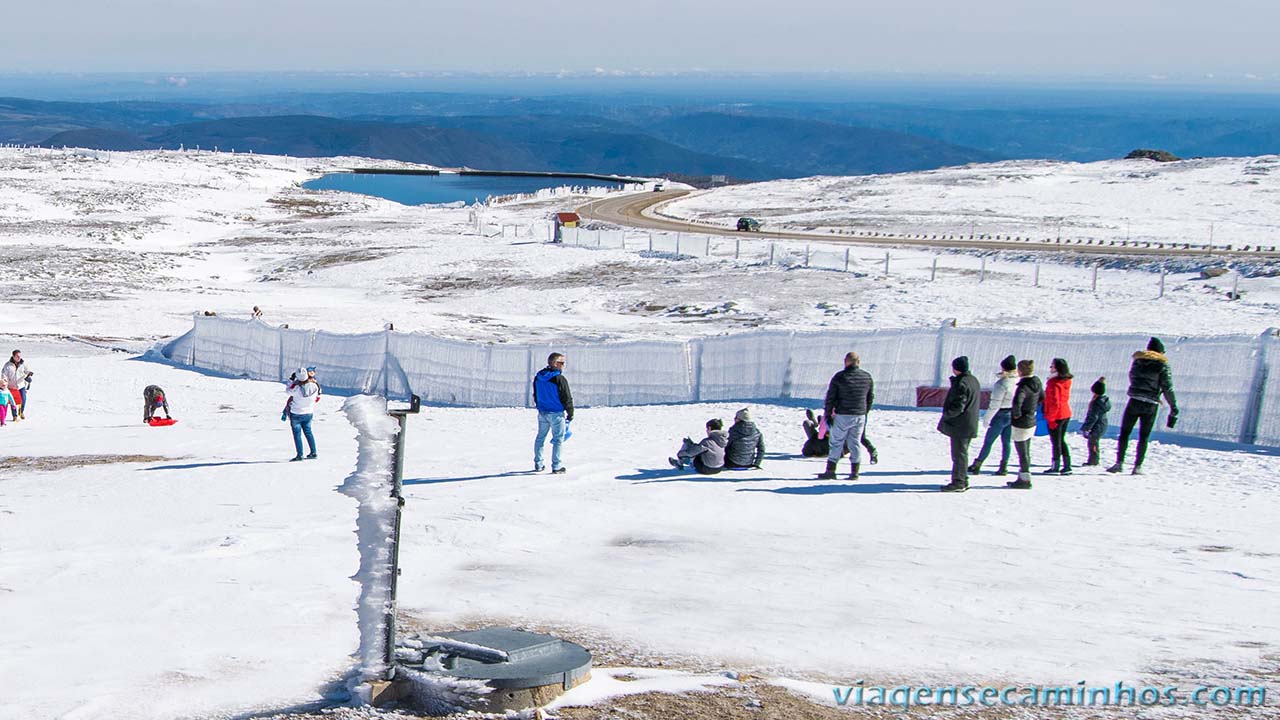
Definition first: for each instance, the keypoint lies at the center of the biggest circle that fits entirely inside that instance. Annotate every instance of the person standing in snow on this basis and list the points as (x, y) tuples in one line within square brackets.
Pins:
[(850, 395), (746, 443), (19, 377), (1095, 420), (706, 456), (554, 401), (257, 313), (1022, 416), (998, 417), (6, 401), (1149, 379), (1057, 412), (960, 421), (153, 399), (298, 410)]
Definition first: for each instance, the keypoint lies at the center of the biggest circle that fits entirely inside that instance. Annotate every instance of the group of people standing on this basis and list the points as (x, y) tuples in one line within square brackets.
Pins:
[(1012, 414)]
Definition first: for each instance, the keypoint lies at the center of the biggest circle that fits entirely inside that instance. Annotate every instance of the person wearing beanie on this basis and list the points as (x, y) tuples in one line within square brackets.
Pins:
[(960, 421), (1026, 398), (1057, 412), (153, 400), (746, 443), (1149, 380), (1095, 420), (850, 395), (997, 417)]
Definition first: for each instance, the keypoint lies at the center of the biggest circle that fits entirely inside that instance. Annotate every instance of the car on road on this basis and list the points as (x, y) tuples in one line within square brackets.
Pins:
[(746, 224)]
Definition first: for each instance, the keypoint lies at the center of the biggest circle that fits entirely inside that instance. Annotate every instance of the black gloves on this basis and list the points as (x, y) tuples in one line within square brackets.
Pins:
[(1173, 419)]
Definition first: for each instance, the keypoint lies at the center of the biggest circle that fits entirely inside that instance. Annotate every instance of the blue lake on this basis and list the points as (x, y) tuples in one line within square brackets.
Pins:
[(444, 188)]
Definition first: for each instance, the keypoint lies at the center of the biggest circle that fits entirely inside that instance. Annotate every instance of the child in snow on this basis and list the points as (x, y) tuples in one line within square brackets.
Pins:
[(707, 456), (817, 443), (153, 400), (6, 402), (1095, 420)]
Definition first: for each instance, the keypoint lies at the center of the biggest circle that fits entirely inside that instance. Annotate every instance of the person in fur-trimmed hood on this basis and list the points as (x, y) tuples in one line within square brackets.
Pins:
[(1149, 380)]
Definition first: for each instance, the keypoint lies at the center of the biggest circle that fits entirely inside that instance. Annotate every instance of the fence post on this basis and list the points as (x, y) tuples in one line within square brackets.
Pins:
[(650, 242), (706, 249), (770, 253), (886, 264), (677, 244), (806, 255), (1095, 278), (1161, 282), (933, 274), (938, 360), (982, 273), (1253, 411), (1036, 282), (846, 259), (737, 248), (597, 238), (1235, 286)]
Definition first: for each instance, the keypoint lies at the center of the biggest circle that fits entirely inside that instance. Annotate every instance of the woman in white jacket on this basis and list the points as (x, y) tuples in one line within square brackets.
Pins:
[(998, 418)]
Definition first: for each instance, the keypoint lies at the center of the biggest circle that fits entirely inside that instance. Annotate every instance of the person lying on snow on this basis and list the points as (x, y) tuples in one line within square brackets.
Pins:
[(153, 400), (706, 456)]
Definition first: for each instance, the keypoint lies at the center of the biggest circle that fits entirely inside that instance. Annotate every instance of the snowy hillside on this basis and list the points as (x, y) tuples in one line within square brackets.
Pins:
[(1237, 200), (145, 239)]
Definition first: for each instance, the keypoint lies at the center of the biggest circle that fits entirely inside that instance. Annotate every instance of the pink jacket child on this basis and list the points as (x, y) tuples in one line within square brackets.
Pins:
[(6, 402)]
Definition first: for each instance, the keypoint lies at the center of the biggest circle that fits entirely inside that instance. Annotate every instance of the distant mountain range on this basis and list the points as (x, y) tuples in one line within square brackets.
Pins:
[(757, 138)]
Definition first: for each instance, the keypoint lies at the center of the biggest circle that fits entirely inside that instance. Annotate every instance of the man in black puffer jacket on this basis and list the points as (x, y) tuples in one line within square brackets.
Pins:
[(1149, 379), (850, 395), (960, 421)]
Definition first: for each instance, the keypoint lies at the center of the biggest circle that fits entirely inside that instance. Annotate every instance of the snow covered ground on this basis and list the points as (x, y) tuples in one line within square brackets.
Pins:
[(190, 571), (211, 575), (1235, 199)]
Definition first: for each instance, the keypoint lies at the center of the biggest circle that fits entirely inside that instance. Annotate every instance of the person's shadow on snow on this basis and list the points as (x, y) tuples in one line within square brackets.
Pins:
[(663, 475), (437, 481), (852, 488)]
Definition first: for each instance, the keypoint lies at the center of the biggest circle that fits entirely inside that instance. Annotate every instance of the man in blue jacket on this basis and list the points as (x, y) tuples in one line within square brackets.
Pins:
[(555, 410)]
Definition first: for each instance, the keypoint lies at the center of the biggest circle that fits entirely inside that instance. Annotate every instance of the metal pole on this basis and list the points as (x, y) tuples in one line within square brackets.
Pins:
[(806, 256), (650, 242), (886, 264), (1036, 282), (846, 259), (677, 244), (933, 274), (982, 273), (397, 484), (770, 253), (1235, 286), (737, 248), (1161, 282), (706, 249), (1095, 278)]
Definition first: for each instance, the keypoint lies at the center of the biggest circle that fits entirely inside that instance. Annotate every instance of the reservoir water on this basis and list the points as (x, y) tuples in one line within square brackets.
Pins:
[(446, 187)]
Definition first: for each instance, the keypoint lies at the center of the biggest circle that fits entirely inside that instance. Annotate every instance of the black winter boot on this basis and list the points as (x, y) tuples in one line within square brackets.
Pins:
[(955, 487), (1003, 469), (853, 473), (975, 469), (830, 473)]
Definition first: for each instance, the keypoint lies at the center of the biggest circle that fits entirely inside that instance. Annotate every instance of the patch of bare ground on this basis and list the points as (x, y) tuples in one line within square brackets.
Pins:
[(50, 463), (310, 207), (326, 260)]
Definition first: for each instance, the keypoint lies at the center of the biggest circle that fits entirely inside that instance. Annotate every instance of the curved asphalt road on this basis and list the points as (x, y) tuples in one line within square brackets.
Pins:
[(638, 210)]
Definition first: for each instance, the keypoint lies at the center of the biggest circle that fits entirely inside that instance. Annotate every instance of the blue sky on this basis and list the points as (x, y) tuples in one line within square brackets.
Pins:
[(1225, 38)]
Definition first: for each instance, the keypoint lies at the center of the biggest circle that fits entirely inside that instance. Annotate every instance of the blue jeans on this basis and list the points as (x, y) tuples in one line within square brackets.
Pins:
[(549, 422), (301, 425), (1002, 425)]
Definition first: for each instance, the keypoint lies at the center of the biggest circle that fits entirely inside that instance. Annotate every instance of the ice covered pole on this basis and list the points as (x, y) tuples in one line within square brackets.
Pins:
[(371, 484)]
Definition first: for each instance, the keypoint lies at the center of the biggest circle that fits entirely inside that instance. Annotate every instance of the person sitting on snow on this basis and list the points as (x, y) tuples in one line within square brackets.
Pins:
[(153, 400), (746, 443), (706, 456)]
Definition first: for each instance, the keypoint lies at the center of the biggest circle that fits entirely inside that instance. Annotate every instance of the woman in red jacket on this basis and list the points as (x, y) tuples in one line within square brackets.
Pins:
[(1057, 411)]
